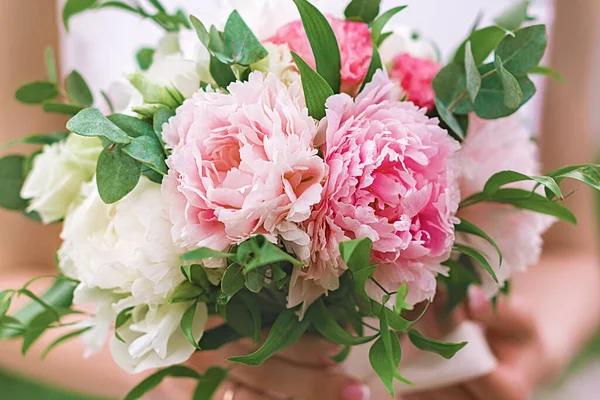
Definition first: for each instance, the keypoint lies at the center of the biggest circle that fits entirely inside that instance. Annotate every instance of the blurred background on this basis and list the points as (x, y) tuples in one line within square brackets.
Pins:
[(112, 57)]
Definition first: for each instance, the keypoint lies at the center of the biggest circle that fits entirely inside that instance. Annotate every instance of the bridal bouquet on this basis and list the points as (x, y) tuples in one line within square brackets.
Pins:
[(315, 178)]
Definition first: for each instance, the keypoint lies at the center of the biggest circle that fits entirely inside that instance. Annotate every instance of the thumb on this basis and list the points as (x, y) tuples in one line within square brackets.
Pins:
[(510, 315)]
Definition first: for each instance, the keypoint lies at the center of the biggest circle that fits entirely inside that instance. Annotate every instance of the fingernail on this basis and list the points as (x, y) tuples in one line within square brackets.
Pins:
[(356, 391), (477, 299)]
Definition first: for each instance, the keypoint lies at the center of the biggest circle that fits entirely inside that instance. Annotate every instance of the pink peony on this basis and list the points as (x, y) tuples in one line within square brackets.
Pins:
[(415, 76), (490, 147), (242, 164), (354, 40), (391, 179)]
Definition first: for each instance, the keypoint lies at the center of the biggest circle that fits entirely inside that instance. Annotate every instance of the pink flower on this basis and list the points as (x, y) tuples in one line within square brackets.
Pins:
[(490, 147), (391, 179), (242, 164), (415, 76), (354, 40)]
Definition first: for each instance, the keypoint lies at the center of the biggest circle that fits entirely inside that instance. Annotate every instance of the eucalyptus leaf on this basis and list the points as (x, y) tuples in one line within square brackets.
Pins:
[(91, 122), (362, 10), (134, 127), (254, 281), (201, 31), (483, 42), (472, 73), (323, 43), (514, 17), (523, 52), (244, 47), (221, 72), (316, 89), (78, 90), (286, 331), (149, 152), (233, 280), (36, 92), (117, 174), (444, 349), (53, 107), (513, 95), (38, 139)]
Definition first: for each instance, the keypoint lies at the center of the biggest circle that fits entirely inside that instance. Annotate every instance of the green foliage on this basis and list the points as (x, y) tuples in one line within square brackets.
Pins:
[(61, 108), (217, 337), (444, 349), (117, 174), (62, 339), (50, 61), (12, 177), (209, 383), (587, 174), (221, 72), (145, 58), (149, 151), (473, 75), (91, 122), (342, 355), (316, 89), (185, 292), (375, 65), (187, 324), (74, 7), (362, 10), (150, 383), (523, 51), (466, 227), (78, 90), (203, 253), (461, 276), (514, 17), (36, 92), (547, 71), (258, 252), (477, 256), (496, 181), (450, 85), (356, 254), (201, 31), (233, 280), (513, 95), (244, 47), (385, 354), (323, 43), (152, 93), (380, 23), (330, 329), (483, 43), (286, 331)]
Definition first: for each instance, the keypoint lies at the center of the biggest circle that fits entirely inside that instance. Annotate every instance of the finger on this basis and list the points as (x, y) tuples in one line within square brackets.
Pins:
[(510, 316), (502, 384)]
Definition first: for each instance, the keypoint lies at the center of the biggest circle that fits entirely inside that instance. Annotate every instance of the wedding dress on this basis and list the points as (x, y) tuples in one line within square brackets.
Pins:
[(101, 45)]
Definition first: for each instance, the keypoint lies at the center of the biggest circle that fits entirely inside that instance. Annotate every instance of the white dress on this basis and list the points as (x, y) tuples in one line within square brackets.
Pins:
[(102, 44)]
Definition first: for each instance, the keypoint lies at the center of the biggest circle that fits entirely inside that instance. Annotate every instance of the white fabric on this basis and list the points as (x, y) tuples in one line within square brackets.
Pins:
[(102, 45)]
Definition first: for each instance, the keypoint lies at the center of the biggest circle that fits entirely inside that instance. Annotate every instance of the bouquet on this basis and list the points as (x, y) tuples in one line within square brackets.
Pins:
[(307, 180)]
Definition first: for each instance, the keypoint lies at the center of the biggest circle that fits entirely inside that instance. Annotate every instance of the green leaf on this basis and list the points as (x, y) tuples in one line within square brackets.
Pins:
[(203, 253), (395, 321), (197, 275), (286, 331), (473, 75), (156, 94), (458, 281), (217, 337), (36, 92), (201, 31), (148, 384), (61, 108), (514, 17), (132, 126), (373, 67), (209, 383), (187, 291), (478, 256), (187, 324), (254, 309), (342, 355), (244, 47), (490, 102), (148, 151), (36, 328), (466, 227), (91, 122), (12, 177), (356, 254), (162, 116), (525, 200), (547, 71), (496, 181), (587, 174), (381, 22), (254, 281), (145, 58), (316, 89), (121, 320), (117, 174), (446, 115), (323, 43), (513, 95), (62, 339), (51, 65), (74, 7), (78, 90), (221, 72), (5, 301), (233, 280), (523, 51), (444, 349), (483, 43), (328, 327), (384, 362), (258, 252), (217, 46), (362, 10)]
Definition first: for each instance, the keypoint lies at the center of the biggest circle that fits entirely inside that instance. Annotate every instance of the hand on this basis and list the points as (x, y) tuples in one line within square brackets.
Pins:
[(516, 342), (301, 372)]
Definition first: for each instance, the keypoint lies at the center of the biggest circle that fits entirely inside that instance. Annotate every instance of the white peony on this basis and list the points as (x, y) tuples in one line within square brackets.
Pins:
[(57, 175), (279, 62), (124, 257)]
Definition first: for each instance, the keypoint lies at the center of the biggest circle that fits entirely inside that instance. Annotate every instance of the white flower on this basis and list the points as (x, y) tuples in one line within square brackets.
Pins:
[(57, 175), (124, 257), (279, 62), (153, 338), (402, 41)]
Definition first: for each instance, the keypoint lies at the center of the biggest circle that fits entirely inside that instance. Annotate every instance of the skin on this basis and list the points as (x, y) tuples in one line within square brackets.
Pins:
[(524, 334)]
